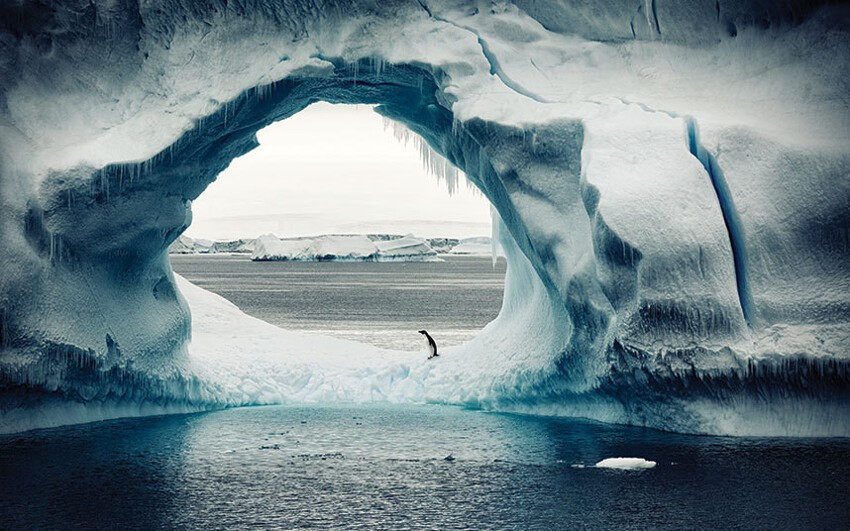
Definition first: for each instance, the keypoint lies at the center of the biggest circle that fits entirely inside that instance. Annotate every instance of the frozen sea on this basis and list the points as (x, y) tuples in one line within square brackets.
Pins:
[(383, 304)]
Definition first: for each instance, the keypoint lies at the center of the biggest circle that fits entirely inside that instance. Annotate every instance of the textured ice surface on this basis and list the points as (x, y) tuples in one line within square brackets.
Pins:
[(670, 180)]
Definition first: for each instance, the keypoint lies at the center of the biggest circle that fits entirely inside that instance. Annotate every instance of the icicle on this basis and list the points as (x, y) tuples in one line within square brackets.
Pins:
[(472, 187), (262, 91), (378, 66), (433, 162), (495, 227), (104, 184)]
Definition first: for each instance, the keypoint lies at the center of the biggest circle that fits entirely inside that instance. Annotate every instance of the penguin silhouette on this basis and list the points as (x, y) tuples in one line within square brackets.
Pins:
[(432, 346)]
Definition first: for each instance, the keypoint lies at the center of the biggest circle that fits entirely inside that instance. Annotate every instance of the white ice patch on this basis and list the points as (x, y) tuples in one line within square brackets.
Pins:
[(626, 463)]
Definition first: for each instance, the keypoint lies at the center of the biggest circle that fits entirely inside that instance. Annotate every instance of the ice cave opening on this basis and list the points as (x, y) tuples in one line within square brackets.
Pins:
[(176, 348), (344, 189)]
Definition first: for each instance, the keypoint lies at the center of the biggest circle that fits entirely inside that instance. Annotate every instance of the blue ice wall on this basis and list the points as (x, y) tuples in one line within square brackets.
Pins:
[(90, 314)]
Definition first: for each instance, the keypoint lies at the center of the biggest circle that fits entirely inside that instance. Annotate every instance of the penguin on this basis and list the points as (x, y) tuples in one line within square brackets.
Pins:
[(432, 346)]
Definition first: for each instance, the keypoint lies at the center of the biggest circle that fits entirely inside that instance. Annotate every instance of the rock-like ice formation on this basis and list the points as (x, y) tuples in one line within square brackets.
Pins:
[(670, 180), (343, 248)]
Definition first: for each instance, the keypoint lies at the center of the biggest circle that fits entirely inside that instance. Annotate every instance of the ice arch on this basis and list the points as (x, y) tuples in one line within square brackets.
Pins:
[(652, 278)]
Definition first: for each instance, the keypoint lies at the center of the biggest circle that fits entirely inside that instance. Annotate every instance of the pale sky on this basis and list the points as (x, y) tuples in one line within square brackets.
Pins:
[(334, 169)]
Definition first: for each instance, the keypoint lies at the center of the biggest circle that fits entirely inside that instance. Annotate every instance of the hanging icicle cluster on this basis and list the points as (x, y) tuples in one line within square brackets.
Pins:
[(433, 162)]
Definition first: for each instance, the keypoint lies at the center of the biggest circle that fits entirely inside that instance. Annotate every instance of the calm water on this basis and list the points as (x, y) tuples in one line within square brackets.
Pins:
[(379, 303), (384, 467)]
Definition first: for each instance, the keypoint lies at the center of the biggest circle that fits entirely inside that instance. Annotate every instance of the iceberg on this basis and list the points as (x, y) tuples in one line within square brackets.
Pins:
[(442, 245), (406, 249), (203, 246), (343, 248), (339, 248), (240, 246), (481, 246), (669, 185), (182, 245), (187, 245)]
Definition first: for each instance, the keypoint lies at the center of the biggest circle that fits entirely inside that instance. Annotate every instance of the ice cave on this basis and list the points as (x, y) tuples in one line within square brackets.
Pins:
[(670, 183)]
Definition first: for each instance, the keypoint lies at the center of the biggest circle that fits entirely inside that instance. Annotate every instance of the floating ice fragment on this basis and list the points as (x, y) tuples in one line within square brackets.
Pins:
[(626, 463)]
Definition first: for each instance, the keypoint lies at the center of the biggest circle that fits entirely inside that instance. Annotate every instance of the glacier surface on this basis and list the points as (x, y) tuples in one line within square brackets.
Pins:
[(669, 181)]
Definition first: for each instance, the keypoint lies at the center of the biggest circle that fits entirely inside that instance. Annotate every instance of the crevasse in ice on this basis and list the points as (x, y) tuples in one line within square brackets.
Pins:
[(669, 184)]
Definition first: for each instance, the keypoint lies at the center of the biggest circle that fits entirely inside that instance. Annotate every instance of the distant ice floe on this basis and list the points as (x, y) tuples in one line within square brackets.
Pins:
[(343, 248), (187, 245), (626, 463), (482, 246), (387, 244)]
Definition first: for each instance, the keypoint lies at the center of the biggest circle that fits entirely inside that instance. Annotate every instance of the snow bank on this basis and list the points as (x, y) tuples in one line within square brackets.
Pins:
[(263, 364)]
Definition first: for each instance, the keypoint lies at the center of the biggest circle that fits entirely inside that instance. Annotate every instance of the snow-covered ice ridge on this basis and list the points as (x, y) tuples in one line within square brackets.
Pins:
[(343, 248), (670, 181)]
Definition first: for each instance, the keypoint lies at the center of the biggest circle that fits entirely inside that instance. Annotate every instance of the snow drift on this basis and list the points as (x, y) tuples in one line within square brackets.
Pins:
[(669, 179)]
